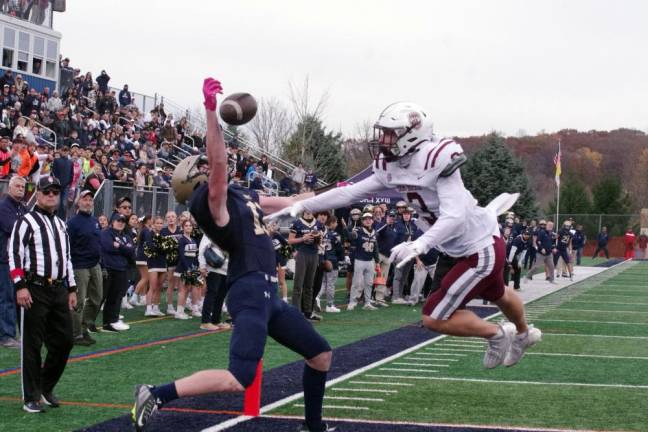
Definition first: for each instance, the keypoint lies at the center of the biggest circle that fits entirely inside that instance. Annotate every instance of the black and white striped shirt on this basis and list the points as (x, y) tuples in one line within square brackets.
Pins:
[(40, 245)]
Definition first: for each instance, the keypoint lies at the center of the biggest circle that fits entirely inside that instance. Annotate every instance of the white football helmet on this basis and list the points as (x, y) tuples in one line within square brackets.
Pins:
[(411, 125)]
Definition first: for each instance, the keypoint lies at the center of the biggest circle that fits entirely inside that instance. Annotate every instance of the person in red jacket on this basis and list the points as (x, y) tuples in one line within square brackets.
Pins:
[(629, 240)]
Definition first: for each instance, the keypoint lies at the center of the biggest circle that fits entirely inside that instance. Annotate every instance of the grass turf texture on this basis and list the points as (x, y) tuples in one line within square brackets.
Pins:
[(472, 395), (110, 379)]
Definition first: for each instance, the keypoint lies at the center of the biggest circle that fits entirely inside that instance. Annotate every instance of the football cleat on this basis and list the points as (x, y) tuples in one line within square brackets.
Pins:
[(520, 344), (145, 406), (499, 345)]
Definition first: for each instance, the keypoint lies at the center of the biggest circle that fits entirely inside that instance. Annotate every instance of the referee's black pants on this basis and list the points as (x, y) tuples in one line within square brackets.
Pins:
[(48, 321)]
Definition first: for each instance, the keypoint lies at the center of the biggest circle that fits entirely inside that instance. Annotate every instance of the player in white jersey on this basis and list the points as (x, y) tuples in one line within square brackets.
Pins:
[(425, 169)]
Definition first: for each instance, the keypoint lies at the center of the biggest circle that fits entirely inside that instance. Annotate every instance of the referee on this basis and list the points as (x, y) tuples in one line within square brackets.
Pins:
[(41, 269)]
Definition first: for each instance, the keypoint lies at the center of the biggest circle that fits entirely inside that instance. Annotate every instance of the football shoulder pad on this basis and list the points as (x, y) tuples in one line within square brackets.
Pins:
[(444, 158)]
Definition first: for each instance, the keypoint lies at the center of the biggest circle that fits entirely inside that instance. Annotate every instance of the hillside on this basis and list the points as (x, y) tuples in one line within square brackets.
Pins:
[(588, 156)]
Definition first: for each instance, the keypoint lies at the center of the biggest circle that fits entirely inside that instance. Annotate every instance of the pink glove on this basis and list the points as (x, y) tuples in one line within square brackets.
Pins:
[(210, 88)]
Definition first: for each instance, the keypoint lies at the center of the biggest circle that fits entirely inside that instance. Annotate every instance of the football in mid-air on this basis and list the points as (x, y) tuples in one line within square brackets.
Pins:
[(238, 108)]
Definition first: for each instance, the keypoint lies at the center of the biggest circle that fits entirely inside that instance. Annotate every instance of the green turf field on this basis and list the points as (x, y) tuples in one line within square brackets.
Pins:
[(101, 388), (589, 372)]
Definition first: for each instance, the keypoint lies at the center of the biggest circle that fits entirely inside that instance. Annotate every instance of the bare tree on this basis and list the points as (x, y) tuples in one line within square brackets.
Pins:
[(271, 126), (356, 148), (306, 107)]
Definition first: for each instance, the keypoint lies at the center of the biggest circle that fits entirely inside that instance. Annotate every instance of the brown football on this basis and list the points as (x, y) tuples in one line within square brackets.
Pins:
[(238, 109)]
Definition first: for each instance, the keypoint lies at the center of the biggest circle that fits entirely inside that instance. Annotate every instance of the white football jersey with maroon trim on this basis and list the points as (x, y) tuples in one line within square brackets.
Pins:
[(430, 181), (448, 213)]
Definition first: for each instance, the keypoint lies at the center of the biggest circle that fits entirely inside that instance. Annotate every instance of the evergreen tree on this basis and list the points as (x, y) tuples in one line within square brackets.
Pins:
[(574, 198), (492, 170), (609, 198), (316, 148)]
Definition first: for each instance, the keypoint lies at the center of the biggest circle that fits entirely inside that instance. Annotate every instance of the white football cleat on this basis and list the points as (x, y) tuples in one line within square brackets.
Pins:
[(521, 342), (499, 345)]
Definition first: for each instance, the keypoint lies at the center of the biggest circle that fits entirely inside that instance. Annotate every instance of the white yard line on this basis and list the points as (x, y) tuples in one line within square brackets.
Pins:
[(591, 322), (345, 407), (420, 364), (379, 383), (442, 354), (488, 381), (606, 302), (409, 370), (453, 350), (354, 398), (616, 357), (587, 293), (600, 310), (364, 390), (594, 335)]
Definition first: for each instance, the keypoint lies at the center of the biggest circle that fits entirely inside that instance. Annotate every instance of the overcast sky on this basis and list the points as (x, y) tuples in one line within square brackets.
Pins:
[(476, 66)]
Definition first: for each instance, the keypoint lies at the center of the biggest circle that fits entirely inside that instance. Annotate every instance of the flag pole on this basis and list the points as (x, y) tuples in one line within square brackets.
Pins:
[(558, 172)]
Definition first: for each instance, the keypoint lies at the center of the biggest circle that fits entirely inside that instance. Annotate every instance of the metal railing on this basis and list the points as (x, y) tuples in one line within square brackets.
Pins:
[(146, 200), (54, 144)]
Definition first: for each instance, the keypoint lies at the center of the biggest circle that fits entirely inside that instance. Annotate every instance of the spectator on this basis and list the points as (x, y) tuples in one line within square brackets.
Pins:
[(334, 253), (366, 258), (102, 81), (310, 180), (642, 243), (601, 243), (125, 97), (546, 249), (406, 230), (5, 157), (11, 209), (66, 76), (286, 186), (62, 169), (215, 272), (117, 252), (304, 236), (7, 78), (629, 240), (85, 247), (298, 176), (578, 243)]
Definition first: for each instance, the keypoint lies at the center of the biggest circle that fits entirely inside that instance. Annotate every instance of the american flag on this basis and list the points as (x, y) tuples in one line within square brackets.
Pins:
[(557, 164)]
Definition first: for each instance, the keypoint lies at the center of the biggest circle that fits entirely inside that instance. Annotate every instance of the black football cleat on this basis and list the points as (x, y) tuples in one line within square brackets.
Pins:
[(33, 407), (50, 400)]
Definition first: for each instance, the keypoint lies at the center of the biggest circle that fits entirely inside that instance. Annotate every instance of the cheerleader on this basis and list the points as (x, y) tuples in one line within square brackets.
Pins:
[(187, 271), (157, 266), (139, 297), (171, 230)]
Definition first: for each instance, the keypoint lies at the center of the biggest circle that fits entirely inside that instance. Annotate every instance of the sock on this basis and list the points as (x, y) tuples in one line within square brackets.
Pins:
[(313, 382), (165, 393)]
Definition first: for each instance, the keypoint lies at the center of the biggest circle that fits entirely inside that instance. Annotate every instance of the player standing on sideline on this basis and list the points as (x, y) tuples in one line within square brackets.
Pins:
[(232, 217), (425, 169)]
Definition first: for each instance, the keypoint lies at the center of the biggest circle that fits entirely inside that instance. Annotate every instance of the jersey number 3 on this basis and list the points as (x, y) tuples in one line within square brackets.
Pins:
[(425, 212)]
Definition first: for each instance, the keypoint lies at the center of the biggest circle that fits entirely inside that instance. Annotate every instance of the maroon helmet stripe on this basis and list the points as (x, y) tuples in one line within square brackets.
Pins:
[(439, 151)]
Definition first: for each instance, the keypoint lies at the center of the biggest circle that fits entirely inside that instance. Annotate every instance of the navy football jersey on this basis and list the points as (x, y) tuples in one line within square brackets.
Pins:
[(564, 237), (300, 227), (279, 242), (333, 248), (245, 237), (366, 245), (518, 244)]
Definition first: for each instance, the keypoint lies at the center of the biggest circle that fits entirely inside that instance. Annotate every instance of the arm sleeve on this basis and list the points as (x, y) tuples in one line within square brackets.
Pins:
[(17, 243), (70, 270), (202, 247), (511, 255), (452, 210), (343, 196)]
